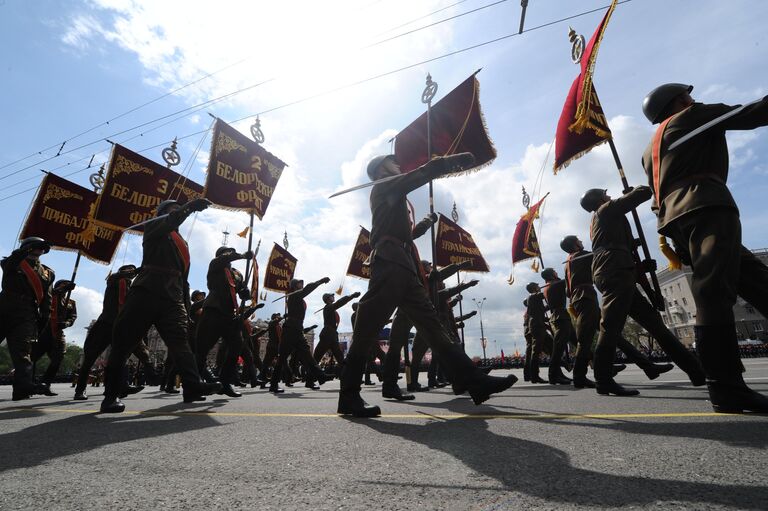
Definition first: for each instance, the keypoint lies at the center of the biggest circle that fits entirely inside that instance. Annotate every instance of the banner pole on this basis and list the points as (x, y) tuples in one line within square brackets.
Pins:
[(461, 312), (426, 97), (657, 300)]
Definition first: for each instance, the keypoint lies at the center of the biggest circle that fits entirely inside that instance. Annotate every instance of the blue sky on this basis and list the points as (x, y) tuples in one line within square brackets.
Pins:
[(71, 66)]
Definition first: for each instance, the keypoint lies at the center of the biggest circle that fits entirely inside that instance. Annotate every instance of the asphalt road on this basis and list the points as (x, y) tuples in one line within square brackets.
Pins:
[(532, 447)]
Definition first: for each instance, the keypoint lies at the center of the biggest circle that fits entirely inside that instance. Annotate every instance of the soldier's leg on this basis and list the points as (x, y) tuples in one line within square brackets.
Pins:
[(753, 281), (323, 344), (617, 291), (96, 341), (21, 336), (398, 338), (208, 334), (587, 323), (172, 324), (336, 350), (56, 353), (232, 343), (563, 331), (284, 349), (417, 355), (650, 319), (133, 321), (385, 290), (526, 366)]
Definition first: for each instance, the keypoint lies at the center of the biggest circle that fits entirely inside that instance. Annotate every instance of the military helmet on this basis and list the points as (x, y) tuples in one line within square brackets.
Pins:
[(375, 163), (223, 250), (294, 285), (328, 297), (656, 102), (568, 244), (36, 242), (127, 268), (162, 208), (592, 199), (548, 274), (532, 287)]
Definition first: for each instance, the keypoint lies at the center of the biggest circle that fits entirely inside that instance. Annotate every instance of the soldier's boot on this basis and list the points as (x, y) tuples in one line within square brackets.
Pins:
[(526, 376), (482, 386), (580, 368), (655, 370), (718, 349), (113, 381), (227, 390), (351, 403), (533, 371), (82, 383), (393, 391), (605, 352)]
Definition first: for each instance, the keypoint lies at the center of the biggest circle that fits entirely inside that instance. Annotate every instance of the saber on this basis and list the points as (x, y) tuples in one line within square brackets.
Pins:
[(285, 296), (713, 122), (145, 222), (366, 185)]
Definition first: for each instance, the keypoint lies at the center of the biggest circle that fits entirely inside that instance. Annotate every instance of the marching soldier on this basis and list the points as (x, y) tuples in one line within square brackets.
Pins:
[(396, 282), (696, 209), (560, 321), (581, 291), (159, 295), (537, 326), (52, 341), (615, 274), (25, 307), (274, 334), (329, 335), (99, 335), (195, 313), (221, 315), (293, 341), (528, 343)]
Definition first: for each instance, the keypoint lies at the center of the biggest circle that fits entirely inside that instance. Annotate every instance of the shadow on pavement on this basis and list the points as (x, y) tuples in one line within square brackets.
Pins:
[(74, 434), (545, 472)]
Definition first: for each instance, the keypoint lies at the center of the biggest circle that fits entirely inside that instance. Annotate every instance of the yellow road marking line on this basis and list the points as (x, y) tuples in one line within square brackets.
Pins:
[(543, 416)]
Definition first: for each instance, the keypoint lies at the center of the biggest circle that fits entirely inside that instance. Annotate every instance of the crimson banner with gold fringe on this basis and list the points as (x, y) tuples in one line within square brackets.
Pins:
[(457, 125), (455, 245), (61, 212), (582, 124), (361, 253), (280, 269), (134, 187), (242, 175), (525, 245)]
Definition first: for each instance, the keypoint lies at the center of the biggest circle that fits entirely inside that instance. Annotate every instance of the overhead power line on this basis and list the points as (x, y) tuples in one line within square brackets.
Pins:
[(353, 84)]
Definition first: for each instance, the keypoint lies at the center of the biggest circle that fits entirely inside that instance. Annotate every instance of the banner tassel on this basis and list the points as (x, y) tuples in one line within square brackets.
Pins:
[(670, 254)]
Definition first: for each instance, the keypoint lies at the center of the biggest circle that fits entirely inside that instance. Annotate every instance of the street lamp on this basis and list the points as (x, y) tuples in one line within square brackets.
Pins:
[(482, 332)]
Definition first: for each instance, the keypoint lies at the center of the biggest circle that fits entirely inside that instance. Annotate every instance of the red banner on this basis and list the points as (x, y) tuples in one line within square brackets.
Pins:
[(242, 175), (280, 269), (455, 245), (360, 255), (457, 126), (525, 245), (582, 124), (134, 187), (61, 212)]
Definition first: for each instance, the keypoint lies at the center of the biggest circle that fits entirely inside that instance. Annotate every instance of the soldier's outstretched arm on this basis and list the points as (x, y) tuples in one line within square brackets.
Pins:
[(433, 169), (341, 302), (632, 199), (453, 268)]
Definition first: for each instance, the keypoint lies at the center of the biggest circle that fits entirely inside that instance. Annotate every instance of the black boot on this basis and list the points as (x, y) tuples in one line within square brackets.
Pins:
[(113, 383), (312, 385), (196, 391), (351, 403), (654, 370), (481, 388), (46, 388), (617, 368), (417, 387), (80, 396), (393, 391), (276, 389), (735, 397), (227, 390), (582, 382), (611, 387)]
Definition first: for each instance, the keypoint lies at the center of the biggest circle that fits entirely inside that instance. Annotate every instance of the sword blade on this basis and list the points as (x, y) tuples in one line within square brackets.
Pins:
[(145, 222), (365, 185), (714, 122)]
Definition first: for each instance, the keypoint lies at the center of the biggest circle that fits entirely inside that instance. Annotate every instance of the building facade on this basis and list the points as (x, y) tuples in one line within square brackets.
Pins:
[(680, 315)]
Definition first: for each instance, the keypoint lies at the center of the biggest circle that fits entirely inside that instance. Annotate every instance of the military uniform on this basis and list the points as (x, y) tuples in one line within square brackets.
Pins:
[(274, 335), (158, 296), (695, 208), (614, 273), (99, 335), (25, 306), (396, 282), (52, 341), (562, 328), (329, 335), (528, 342), (541, 339), (293, 341), (578, 276), (220, 318)]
